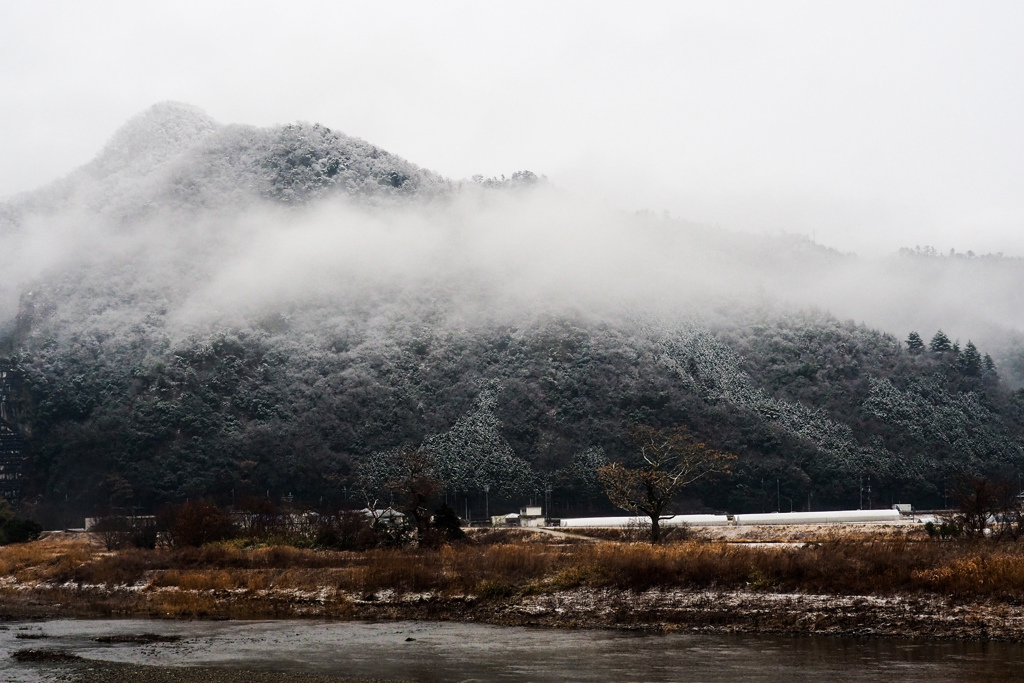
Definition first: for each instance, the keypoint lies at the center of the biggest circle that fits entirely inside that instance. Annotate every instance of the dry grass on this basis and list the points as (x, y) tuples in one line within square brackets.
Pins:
[(844, 565), (44, 558), (834, 567), (982, 574), (178, 604)]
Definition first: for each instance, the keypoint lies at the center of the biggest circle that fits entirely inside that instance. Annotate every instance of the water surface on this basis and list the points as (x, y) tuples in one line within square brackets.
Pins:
[(443, 653)]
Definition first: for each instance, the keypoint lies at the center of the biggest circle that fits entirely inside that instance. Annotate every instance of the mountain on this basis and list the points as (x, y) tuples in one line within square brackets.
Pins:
[(211, 310), (173, 156)]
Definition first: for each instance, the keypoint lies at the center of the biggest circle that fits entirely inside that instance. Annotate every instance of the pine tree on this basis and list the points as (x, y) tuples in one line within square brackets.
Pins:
[(969, 361), (989, 365), (914, 343), (940, 343)]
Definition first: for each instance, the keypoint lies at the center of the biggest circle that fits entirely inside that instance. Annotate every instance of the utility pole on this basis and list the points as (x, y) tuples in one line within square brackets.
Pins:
[(778, 497), (487, 501)]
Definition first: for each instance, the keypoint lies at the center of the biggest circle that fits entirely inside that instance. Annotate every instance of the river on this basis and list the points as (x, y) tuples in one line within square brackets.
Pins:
[(451, 652)]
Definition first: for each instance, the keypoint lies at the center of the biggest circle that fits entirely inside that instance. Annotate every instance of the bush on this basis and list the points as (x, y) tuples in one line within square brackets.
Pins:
[(346, 531), (19, 531), (113, 531), (14, 529), (197, 523), (495, 590), (445, 527)]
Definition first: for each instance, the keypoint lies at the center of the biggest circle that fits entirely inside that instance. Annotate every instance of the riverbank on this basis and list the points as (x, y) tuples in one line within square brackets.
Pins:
[(91, 671), (922, 616), (885, 585)]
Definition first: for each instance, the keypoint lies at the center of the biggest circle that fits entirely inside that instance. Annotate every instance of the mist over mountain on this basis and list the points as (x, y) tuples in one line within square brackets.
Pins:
[(208, 310)]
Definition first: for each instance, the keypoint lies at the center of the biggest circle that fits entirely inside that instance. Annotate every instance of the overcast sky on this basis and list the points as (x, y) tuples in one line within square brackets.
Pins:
[(868, 126)]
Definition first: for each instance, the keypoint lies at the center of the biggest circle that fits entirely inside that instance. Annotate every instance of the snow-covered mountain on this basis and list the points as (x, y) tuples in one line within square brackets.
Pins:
[(206, 308)]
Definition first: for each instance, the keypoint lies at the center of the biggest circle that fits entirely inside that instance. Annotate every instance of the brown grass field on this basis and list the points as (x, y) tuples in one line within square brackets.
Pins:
[(502, 576)]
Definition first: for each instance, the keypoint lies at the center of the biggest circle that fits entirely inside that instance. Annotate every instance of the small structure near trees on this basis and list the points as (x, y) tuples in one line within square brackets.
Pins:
[(509, 520), (528, 516), (669, 461), (531, 516)]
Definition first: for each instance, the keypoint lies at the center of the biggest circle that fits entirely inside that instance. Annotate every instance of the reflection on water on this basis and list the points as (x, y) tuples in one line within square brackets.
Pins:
[(424, 651)]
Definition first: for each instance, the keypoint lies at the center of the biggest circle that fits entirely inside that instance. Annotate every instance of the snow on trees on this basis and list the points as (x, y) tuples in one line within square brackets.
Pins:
[(914, 343), (940, 343), (957, 431), (473, 454), (714, 371), (470, 456), (969, 361)]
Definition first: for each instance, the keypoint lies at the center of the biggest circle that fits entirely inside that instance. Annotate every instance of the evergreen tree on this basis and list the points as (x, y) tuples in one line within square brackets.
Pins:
[(969, 361), (14, 529), (447, 523), (914, 343), (989, 365), (940, 343)]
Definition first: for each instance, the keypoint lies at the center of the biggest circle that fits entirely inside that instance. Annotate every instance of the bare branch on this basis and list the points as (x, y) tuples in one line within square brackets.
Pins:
[(672, 460)]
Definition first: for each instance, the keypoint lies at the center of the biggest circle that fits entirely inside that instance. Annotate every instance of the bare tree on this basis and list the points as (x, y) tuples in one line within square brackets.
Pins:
[(114, 531), (978, 500), (988, 507), (408, 476), (669, 460)]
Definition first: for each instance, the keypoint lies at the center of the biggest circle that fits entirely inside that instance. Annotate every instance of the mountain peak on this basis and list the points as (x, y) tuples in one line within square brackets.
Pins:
[(153, 136)]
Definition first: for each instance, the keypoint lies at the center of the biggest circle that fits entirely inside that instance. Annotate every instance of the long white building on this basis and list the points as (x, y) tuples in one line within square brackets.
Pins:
[(827, 517), (824, 517), (674, 520)]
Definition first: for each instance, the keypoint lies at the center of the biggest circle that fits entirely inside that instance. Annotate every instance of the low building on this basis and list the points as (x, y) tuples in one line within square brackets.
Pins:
[(511, 519), (528, 516), (531, 516)]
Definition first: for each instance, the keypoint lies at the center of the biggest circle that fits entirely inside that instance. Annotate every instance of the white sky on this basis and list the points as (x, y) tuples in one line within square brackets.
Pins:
[(869, 125)]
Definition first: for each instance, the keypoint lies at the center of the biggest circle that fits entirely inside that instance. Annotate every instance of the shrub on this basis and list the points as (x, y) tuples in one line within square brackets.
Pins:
[(346, 531), (495, 590), (113, 531), (196, 523), (19, 531), (14, 529), (445, 527)]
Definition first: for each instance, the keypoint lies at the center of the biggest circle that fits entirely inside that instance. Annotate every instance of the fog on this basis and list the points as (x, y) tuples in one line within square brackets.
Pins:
[(119, 237), (866, 126), (508, 253)]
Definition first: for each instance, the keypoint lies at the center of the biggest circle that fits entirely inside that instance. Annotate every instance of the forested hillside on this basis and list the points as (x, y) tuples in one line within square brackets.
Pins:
[(225, 311)]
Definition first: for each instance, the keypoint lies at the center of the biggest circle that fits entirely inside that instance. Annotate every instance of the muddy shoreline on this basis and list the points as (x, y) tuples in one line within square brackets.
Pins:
[(703, 611), (91, 671)]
